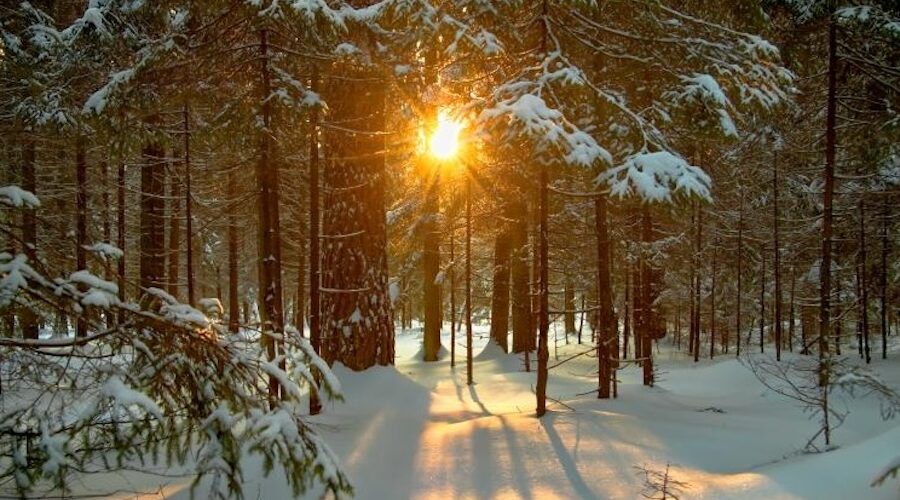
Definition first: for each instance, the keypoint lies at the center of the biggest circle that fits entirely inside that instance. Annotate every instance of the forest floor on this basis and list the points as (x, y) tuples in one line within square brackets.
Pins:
[(418, 431)]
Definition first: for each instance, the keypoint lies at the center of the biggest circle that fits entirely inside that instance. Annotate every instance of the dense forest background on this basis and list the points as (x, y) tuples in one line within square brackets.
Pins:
[(721, 175)]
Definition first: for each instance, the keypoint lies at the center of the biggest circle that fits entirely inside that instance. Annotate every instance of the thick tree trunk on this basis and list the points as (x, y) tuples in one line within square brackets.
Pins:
[(356, 309), (500, 292)]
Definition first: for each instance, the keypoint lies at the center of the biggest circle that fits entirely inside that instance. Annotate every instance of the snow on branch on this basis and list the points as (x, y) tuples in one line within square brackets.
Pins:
[(656, 177)]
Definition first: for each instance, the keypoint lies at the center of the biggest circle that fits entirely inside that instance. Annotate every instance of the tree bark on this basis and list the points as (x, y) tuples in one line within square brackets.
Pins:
[(356, 308), (776, 259), (605, 317), (153, 223), (233, 242), (174, 233), (827, 199), (500, 292), (521, 293), (315, 278), (30, 324), (543, 295), (188, 205)]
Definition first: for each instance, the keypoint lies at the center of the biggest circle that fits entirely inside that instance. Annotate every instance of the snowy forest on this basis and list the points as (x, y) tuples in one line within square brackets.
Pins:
[(450, 249)]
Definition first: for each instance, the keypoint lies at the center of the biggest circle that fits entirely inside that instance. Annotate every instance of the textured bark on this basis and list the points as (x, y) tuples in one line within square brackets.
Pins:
[(500, 292), (569, 313), (356, 308), (863, 285), (469, 378), (740, 274), (883, 271)]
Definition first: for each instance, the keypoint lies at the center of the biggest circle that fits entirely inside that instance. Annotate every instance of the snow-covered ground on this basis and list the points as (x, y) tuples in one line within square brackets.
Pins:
[(418, 431)]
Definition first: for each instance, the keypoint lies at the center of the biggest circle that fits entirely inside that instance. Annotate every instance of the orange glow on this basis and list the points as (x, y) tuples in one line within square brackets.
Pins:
[(444, 142)]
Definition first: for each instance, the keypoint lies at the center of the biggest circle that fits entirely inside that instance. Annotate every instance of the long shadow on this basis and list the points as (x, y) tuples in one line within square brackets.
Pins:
[(565, 459)]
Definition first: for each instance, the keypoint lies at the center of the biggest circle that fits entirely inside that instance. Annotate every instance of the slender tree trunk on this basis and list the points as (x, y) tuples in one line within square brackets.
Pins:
[(30, 324), (648, 295), (604, 296), (569, 314), (174, 232), (863, 283), (827, 197), (543, 294), (882, 289), (791, 310), (188, 203), (233, 242), (315, 314), (581, 319), (776, 259), (431, 263), (697, 298), (501, 291), (762, 300), (269, 246), (153, 223), (468, 281), (81, 199), (120, 231), (450, 270), (521, 293), (626, 328), (740, 274), (712, 300)]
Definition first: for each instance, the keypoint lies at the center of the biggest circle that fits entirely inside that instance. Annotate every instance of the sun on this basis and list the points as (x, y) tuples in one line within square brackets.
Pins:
[(444, 143)]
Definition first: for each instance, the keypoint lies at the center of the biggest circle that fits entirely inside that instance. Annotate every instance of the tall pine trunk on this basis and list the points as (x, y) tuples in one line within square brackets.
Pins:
[(355, 307), (605, 316), (30, 326), (500, 292)]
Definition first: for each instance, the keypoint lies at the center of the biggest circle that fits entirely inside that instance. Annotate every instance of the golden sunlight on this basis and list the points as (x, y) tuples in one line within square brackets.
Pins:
[(444, 142)]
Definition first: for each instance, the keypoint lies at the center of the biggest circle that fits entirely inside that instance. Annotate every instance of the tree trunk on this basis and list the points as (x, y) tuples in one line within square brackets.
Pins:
[(543, 295), (355, 307), (569, 314), (30, 324), (697, 249), (174, 233), (153, 223), (648, 296), (776, 259), (521, 292), (605, 318), (500, 292), (469, 281), (233, 242), (827, 197), (451, 271), (626, 327), (882, 288), (120, 231), (712, 300), (269, 229), (863, 283), (315, 278), (431, 264), (188, 202), (740, 274), (81, 200), (762, 300)]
